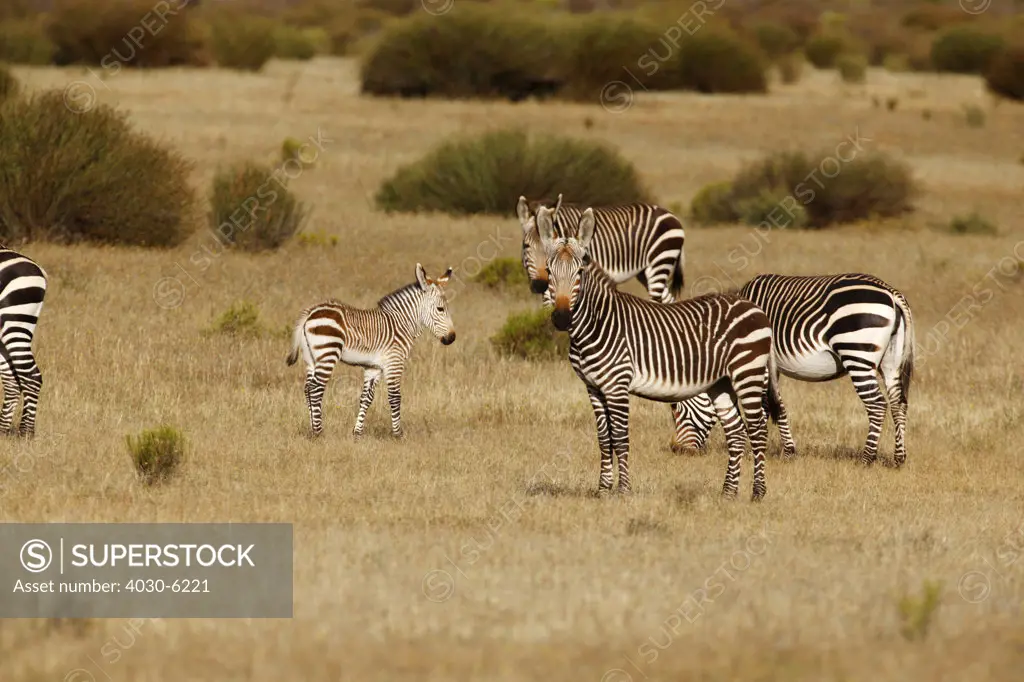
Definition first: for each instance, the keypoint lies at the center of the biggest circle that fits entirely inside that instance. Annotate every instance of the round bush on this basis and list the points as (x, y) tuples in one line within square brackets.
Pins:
[(243, 42), (852, 68), (530, 335), (475, 51), (291, 42), (713, 61), (964, 50), (111, 32), (88, 176), (252, 210), (822, 50), (489, 172), (25, 42), (1005, 76), (712, 205), (776, 40)]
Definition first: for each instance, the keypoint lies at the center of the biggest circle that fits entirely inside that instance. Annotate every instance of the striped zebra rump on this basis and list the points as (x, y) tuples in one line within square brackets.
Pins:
[(22, 291)]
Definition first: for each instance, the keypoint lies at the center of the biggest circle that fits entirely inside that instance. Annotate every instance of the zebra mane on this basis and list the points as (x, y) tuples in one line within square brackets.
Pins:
[(394, 299)]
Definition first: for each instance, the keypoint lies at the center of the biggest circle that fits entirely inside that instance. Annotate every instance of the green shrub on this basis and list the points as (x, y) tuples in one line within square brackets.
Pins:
[(790, 189), (852, 68), (712, 205), (487, 173), (318, 238), (156, 453), (292, 149), (1005, 76), (717, 61), (973, 223), (243, 42), (110, 33), (25, 42), (241, 319), (964, 50), (9, 86), (88, 176), (251, 211), (531, 336), (776, 40), (291, 42), (503, 273), (917, 614), (475, 52), (822, 50)]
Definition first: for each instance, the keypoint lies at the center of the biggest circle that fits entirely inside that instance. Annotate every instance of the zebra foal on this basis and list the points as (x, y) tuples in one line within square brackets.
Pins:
[(22, 289), (622, 344), (634, 240), (378, 340), (827, 327)]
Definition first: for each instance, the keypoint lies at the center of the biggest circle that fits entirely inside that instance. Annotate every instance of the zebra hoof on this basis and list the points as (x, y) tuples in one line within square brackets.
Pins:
[(788, 452), (398, 435), (729, 493), (868, 460), (603, 493), (357, 436), (758, 494)]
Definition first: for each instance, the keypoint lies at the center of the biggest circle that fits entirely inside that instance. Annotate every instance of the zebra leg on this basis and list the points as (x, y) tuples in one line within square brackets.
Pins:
[(317, 377), (898, 406), (11, 393), (735, 440), (694, 418), (394, 381), (617, 402), (866, 384), (604, 484), (757, 432), (31, 386), (370, 379)]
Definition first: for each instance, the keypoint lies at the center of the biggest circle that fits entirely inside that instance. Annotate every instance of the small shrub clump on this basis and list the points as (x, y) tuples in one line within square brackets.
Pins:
[(292, 149), (25, 42), (243, 42), (852, 68), (241, 319), (1005, 76), (156, 453), (531, 336), (973, 223), (503, 273), (486, 173), (918, 613), (291, 42), (965, 50), (88, 177), (251, 211), (822, 50), (776, 40), (788, 189)]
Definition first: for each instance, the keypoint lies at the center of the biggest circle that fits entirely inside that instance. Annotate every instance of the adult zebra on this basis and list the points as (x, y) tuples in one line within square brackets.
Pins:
[(643, 241), (826, 327), (378, 340), (622, 344), (22, 289)]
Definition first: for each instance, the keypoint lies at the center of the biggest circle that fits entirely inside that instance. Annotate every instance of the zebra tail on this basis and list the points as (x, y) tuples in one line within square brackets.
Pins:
[(297, 339), (907, 363), (676, 287), (772, 400)]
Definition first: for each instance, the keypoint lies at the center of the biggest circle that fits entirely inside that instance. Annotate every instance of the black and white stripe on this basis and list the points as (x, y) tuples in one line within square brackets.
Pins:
[(22, 289), (827, 327), (621, 345), (634, 240), (378, 340)]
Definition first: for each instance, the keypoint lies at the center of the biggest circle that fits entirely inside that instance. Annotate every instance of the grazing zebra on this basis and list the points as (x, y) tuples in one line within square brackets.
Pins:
[(826, 327), (622, 344), (634, 240), (22, 289), (378, 340)]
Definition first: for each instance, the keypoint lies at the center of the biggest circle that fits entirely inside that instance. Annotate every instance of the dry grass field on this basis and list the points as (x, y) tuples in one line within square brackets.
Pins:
[(474, 549)]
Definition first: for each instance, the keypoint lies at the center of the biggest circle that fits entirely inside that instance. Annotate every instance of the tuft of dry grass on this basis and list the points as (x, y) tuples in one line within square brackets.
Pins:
[(486, 507)]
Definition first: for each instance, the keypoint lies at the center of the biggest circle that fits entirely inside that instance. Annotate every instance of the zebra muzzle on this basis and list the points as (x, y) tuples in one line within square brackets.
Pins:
[(561, 318), (449, 339)]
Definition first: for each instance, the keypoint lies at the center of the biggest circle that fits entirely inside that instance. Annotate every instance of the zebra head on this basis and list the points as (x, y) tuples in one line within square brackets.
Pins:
[(565, 258), (433, 305), (534, 258)]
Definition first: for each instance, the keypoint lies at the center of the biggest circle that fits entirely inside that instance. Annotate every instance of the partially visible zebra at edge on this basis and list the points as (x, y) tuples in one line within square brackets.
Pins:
[(622, 345), (378, 340), (827, 327), (644, 241), (22, 290)]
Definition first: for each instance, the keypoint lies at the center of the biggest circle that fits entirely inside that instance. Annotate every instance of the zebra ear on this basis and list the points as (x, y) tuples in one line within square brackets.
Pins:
[(523, 211), (585, 232), (421, 276), (443, 279), (545, 226)]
